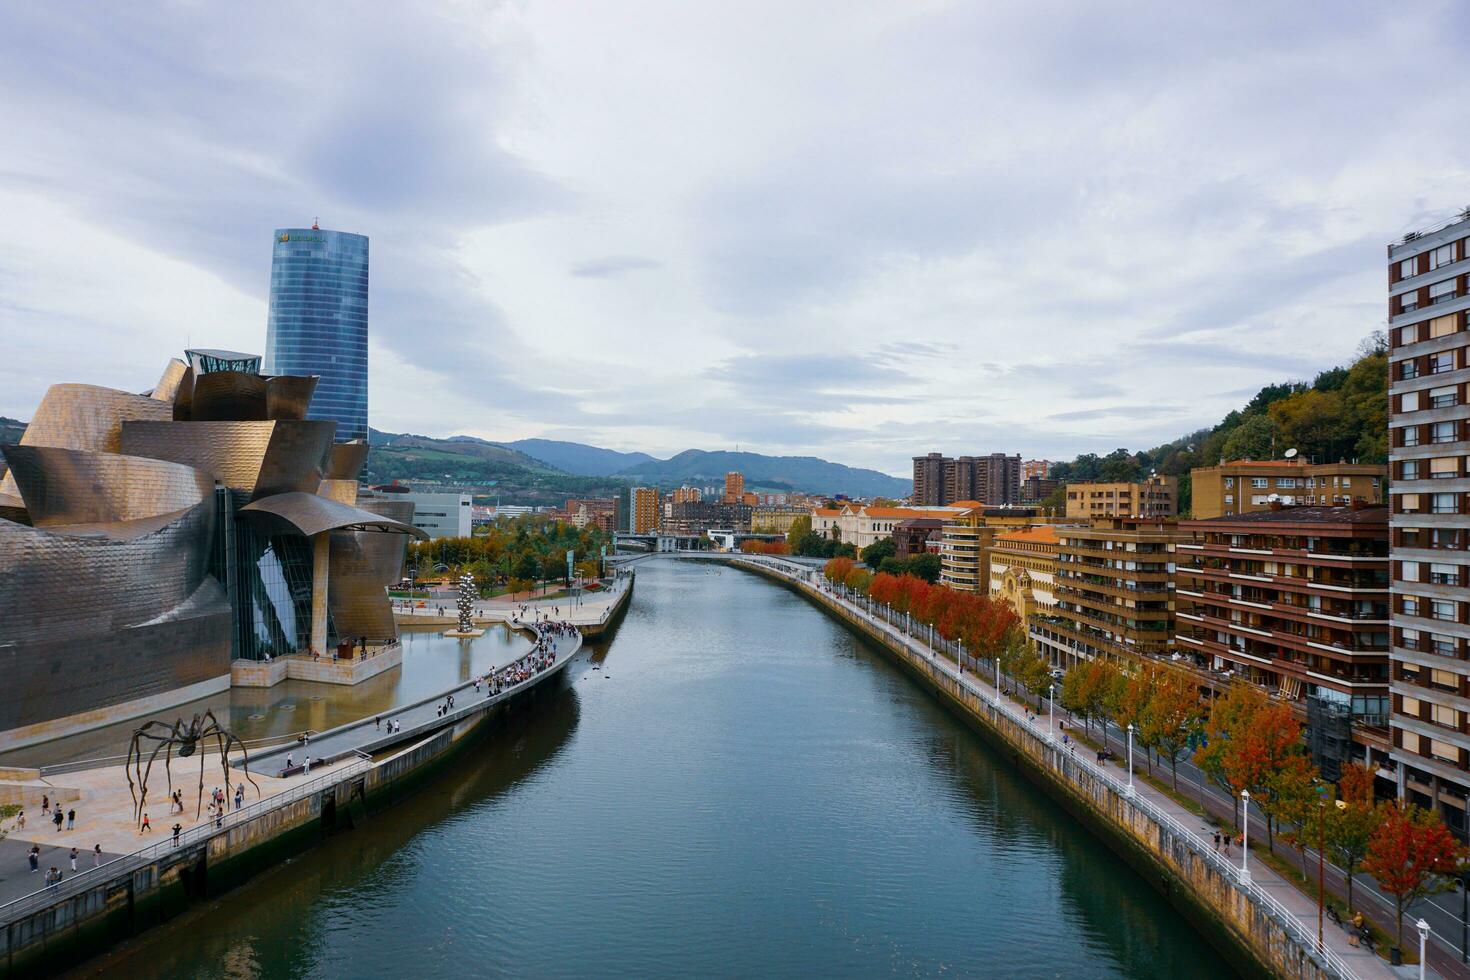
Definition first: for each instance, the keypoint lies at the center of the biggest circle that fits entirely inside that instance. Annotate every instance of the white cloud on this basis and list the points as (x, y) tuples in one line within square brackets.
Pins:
[(1046, 229)]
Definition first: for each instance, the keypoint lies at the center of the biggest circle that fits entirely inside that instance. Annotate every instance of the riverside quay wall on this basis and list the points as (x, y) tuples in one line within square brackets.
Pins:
[(1237, 921), (51, 931)]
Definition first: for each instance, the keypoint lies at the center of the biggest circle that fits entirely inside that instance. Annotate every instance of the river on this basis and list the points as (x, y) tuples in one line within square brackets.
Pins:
[(736, 786)]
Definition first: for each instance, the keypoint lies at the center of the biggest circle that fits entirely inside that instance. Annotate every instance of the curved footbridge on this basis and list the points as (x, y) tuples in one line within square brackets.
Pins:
[(145, 879), (592, 613)]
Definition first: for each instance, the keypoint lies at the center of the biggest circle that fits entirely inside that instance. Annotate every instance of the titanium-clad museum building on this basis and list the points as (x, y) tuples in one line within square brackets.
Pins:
[(147, 541), (318, 321)]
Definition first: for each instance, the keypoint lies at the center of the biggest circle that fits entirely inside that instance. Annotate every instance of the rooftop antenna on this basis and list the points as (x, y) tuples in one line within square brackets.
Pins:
[(314, 225), (1290, 454)]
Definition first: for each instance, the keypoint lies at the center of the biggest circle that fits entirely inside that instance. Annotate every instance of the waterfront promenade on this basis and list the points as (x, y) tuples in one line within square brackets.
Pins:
[(1265, 886), (105, 808), (591, 612)]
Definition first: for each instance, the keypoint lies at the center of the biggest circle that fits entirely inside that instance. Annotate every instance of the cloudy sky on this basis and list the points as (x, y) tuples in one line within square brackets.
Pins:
[(857, 230)]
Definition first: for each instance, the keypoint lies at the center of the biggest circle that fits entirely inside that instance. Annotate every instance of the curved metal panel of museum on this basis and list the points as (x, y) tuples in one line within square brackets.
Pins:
[(85, 417), (288, 396), (255, 458), (73, 486), (228, 396), (311, 514), (167, 389), (347, 460), (363, 564)]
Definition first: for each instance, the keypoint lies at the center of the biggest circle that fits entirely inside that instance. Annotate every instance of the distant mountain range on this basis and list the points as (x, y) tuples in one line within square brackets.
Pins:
[(575, 457), (517, 466)]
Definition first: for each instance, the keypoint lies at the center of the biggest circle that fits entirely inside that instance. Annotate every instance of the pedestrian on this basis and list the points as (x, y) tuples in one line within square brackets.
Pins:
[(20, 820), (178, 829), (378, 722), (73, 860), (1217, 840), (289, 763), (35, 858), (71, 819), (147, 825), (96, 855), (1225, 841), (58, 817)]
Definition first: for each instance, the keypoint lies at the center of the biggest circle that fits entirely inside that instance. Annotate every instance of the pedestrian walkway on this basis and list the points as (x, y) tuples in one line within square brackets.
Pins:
[(1357, 960), (588, 609)]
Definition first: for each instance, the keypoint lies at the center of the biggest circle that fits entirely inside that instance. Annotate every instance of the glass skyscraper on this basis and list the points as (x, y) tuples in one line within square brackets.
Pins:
[(319, 321)]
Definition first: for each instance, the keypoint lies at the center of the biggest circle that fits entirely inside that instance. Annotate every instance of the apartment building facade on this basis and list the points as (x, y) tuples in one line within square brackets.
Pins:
[(1429, 442), (1245, 486), (967, 538), (1295, 600), (1113, 590), (993, 480), (775, 518), (1156, 497)]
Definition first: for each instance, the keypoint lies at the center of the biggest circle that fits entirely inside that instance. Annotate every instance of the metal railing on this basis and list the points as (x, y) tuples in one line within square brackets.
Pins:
[(1300, 933), (83, 880)]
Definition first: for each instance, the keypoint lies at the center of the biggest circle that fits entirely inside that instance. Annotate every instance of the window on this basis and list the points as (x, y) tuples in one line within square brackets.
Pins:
[(1409, 268), (1444, 503), (1411, 436), (1230, 498), (1229, 482), (1441, 292), (1347, 481), (1444, 751), (1442, 256), (1443, 326), (1442, 645), (1409, 740), (1441, 715), (1440, 363), (1259, 482), (1286, 482), (1409, 571), (1409, 503), (1444, 467), (1409, 469), (1409, 302), (1409, 639), (1444, 678), (1443, 609), (1409, 334), (1411, 605), (1443, 432), (1444, 574), (1411, 706), (1409, 369), (1442, 397), (1443, 537), (1409, 401)]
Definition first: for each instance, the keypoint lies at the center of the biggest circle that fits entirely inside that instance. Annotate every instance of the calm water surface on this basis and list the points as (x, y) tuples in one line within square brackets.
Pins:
[(741, 788)]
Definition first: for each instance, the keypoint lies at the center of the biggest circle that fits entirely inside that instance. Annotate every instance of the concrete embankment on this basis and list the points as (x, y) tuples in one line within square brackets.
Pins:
[(1255, 938), (56, 929)]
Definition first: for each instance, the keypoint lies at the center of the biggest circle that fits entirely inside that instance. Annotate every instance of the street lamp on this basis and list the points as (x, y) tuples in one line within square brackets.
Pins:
[(1051, 716), (1423, 928), (997, 682), (1130, 758), (1245, 835)]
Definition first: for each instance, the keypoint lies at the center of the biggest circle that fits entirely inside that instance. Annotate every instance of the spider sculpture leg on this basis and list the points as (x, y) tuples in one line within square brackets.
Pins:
[(134, 765), (143, 798), (244, 761)]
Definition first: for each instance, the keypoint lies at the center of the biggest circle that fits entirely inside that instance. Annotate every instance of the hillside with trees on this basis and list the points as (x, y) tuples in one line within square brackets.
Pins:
[(1342, 414)]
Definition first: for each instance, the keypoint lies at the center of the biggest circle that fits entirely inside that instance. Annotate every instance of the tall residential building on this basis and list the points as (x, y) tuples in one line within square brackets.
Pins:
[(686, 495), (599, 512), (1429, 441), (1039, 468), (1113, 592), (318, 321), (1245, 486), (1296, 600), (964, 551), (734, 488), (643, 510), (940, 481), (1155, 497)]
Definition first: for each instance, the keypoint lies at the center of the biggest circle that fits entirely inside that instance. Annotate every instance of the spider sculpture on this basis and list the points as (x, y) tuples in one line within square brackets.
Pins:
[(185, 739)]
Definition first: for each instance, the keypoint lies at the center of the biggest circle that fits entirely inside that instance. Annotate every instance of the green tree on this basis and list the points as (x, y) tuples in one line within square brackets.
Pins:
[(874, 553), (1316, 423), (1351, 822), (925, 566), (1173, 717), (1252, 439), (801, 528)]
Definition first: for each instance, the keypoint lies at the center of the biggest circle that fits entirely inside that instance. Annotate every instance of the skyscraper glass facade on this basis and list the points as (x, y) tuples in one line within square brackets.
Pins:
[(319, 321)]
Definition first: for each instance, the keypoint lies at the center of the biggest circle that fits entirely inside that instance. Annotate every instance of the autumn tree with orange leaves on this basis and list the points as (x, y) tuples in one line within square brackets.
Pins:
[(1411, 855)]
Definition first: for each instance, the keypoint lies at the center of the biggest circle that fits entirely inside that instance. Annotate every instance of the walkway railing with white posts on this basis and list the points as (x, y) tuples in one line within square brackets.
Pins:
[(1066, 764)]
